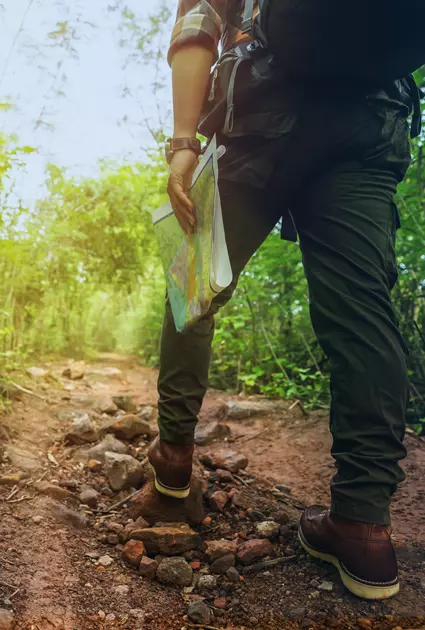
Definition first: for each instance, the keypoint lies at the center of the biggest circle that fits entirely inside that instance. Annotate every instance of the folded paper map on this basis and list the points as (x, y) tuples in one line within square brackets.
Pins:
[(197, 267)]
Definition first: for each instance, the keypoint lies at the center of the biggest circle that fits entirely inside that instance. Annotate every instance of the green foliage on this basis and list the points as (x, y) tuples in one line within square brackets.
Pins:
[(81, 273), (264, 341), (409, 294), (419, 427)]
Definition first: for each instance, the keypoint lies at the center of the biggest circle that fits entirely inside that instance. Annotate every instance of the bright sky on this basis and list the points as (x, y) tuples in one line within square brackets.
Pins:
[(95, 117)]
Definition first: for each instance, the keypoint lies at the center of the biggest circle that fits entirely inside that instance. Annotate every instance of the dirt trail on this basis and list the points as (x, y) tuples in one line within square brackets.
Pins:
[(49, 582)]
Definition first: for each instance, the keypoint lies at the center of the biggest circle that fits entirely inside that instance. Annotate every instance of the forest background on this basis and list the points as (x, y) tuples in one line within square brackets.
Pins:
[(84, 108)]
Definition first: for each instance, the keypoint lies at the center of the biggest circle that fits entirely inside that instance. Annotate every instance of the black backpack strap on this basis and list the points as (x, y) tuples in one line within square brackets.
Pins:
[(408, 92), (416, 94), (248, 17)]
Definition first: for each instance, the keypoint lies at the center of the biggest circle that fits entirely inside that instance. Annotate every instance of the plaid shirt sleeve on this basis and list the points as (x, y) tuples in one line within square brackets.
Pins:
[(198, 22)]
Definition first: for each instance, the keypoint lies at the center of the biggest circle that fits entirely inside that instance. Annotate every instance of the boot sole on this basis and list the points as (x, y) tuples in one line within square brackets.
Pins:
[(176, 493), (358, 588)]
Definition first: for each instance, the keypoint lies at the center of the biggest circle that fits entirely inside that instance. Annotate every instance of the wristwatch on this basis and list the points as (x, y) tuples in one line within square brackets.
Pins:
[(178, 144)]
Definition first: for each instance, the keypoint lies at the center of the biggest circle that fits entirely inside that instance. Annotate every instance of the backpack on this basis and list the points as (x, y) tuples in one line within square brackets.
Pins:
[(376, 41), (369, 43)]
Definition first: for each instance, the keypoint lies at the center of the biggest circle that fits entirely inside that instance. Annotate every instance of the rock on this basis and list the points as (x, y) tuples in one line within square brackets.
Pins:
[(75, 371), (94, 465), (106, 561), (362, 622), (220, 602), (242, 498), (256, 515), (122, 590), (244, 409), (123, 471), (159, 558), (155, 507), (70, 517), (207, 521), (128, 427), (199, 613), (285, 534), (224, 476), (211, 411), (326, 586), (12, 479), (253, 551), (207, 433), (56, 492), (107, 405), (169, 540), (282, 488), (89, 496), (137, 613), (227, 459), (20, 458), (175, 571), (125, 403), (6, 619), (69, 484), (216, 549), (148, 568), (296, 613), (267, 529), (132, 530), (82, 431), (218, 501), (147, 412), (207, 583), (70, 416), (116, 528), (112, 539), (222, 565), (282, 517), (37, 519), (108, 444), (232, 574), (133, 552), (36, 372)]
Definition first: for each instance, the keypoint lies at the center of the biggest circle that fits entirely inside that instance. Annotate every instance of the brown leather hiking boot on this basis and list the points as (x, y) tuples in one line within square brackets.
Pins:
[(172, 468), (362, 553)]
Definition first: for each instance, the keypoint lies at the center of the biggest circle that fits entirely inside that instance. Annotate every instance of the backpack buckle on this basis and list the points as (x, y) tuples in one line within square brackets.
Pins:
[(255, 48)]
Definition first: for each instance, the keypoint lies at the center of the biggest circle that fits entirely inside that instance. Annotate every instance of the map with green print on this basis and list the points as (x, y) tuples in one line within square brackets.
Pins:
[(196, 267)]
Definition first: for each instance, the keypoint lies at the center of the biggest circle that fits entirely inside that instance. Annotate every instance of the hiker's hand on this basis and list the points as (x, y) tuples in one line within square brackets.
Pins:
[(182, 166)]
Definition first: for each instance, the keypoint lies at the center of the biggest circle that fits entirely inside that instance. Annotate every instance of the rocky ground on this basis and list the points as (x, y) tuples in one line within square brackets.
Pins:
[(86, 543)]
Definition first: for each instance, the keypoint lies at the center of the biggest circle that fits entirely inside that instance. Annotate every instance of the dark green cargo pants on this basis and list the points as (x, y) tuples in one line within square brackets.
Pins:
[(337, 169)]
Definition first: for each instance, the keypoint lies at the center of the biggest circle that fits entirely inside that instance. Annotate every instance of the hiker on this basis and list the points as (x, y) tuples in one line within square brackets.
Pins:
[(324, 152)]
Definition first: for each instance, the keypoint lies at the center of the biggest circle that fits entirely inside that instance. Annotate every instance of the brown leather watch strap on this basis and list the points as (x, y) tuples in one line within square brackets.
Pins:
[(179, 144)]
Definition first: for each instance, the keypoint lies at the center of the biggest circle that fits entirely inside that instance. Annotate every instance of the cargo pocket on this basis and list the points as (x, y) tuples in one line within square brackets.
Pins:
[(392, 148)]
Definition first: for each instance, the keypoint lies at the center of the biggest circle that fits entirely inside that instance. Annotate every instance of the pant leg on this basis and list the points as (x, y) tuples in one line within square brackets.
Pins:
[(347, 223), (185, 358)]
